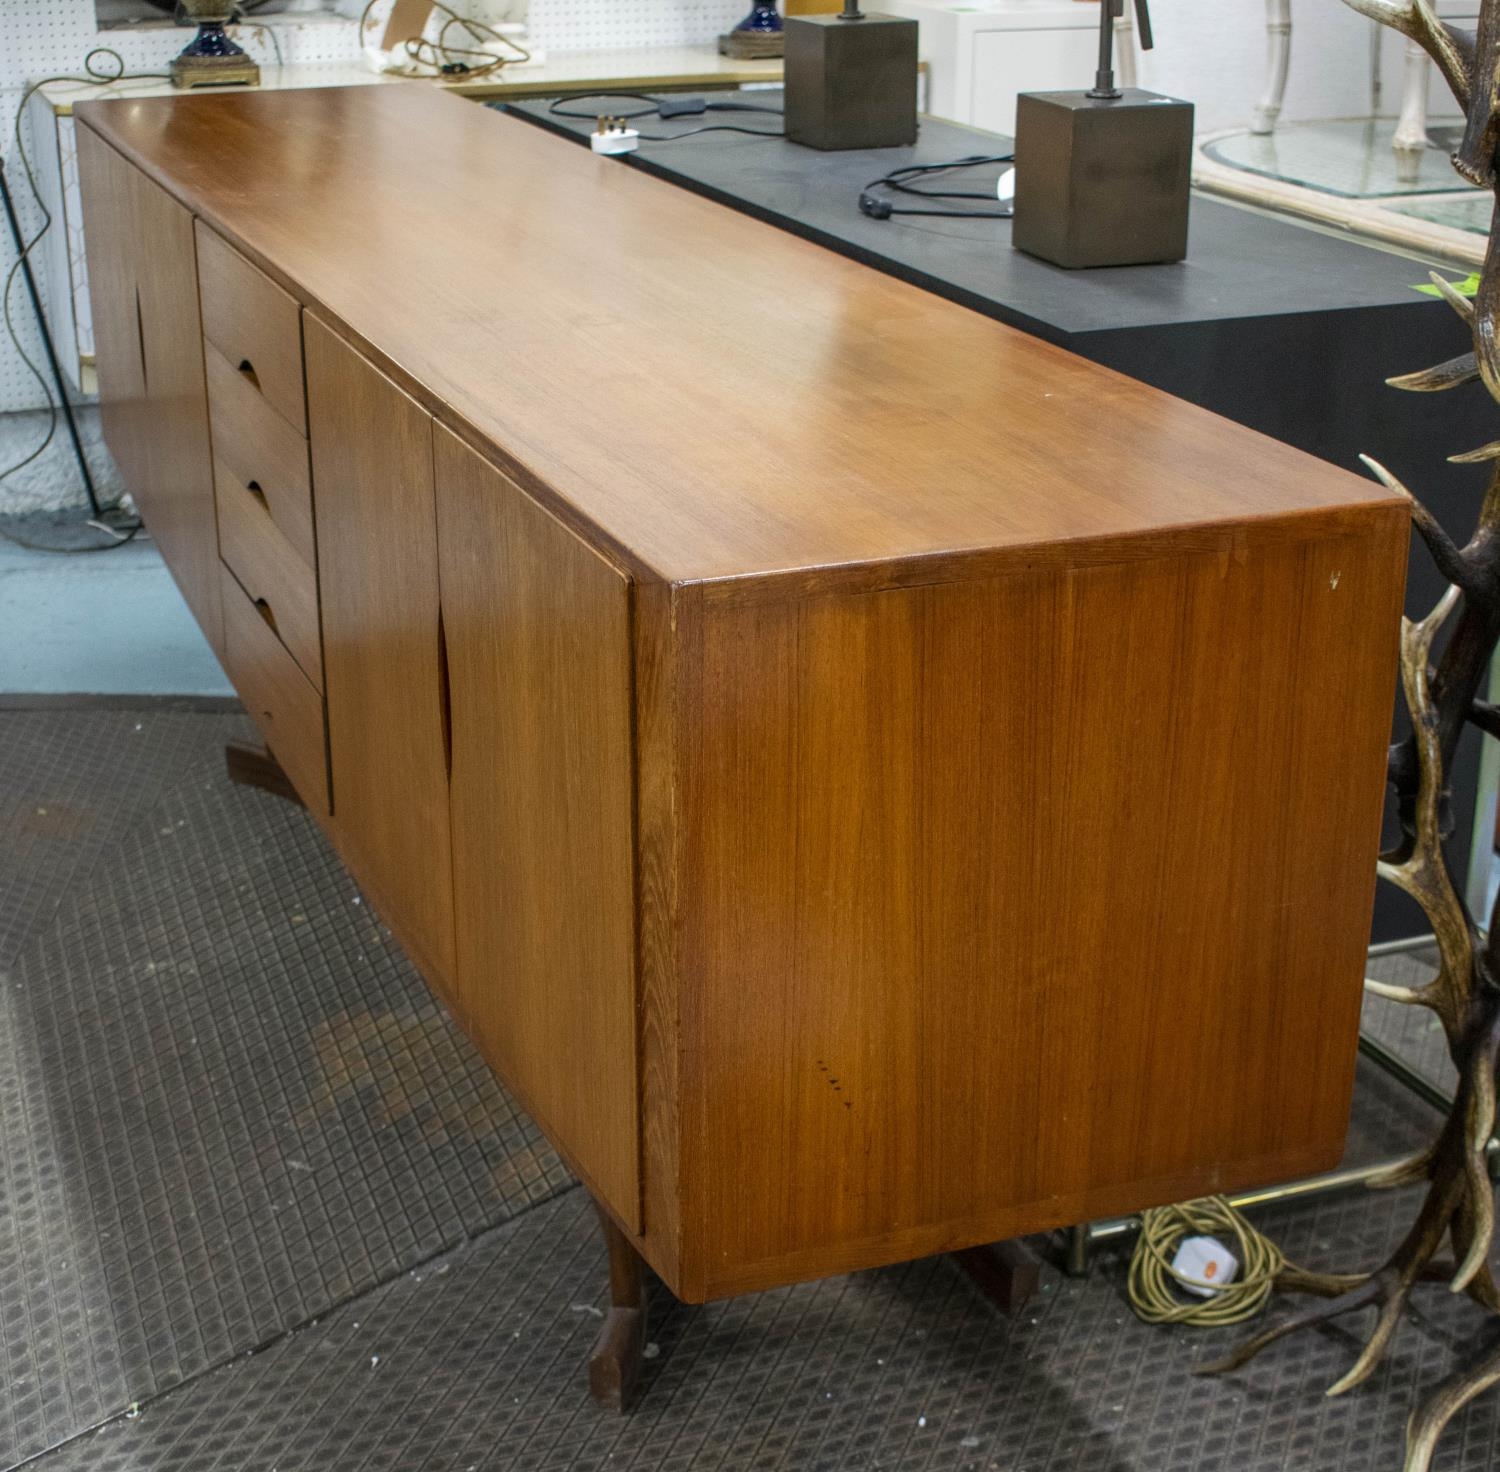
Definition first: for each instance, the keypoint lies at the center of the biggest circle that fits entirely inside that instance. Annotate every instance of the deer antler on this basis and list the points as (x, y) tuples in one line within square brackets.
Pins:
[(1450, 47), (1442, 691)]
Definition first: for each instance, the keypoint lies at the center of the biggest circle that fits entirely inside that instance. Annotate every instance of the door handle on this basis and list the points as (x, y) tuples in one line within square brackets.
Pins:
[(140, 340), (264, 609), (445, 696)]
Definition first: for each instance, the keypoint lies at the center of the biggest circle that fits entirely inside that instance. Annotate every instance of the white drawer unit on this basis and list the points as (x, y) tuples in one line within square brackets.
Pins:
[(980, 55)]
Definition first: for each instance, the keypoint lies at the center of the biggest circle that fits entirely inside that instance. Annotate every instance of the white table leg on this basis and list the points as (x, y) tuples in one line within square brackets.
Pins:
[(1279, 57), (1411, 130)]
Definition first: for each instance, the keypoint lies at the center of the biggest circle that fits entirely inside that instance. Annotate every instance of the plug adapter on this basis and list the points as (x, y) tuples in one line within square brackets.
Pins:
[(612, 136)]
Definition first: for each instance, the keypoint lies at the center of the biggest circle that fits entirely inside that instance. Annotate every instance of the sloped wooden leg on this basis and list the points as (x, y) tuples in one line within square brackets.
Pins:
[(1007, 1273), (620, 1350), (254, 766)]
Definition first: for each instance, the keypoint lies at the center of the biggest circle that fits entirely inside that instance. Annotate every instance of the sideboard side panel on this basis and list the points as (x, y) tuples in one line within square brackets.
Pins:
[(1022, 901)]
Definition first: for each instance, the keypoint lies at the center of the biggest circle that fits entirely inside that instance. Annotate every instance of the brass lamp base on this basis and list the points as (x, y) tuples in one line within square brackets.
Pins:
[(214, 71), (752, 45)]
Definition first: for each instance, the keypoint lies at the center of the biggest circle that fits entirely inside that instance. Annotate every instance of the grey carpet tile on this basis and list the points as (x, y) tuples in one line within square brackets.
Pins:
[(229, 1109), (71, 783), (477, 1362), (226, 1104)]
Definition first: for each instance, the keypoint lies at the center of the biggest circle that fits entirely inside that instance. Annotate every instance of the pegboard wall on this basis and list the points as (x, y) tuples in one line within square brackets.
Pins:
[(42, 38), (581, 25)]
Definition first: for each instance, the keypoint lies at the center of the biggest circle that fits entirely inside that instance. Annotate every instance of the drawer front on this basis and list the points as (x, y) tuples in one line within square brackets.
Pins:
[(269, 569), (279, 697), (262, 451), (254, 323)]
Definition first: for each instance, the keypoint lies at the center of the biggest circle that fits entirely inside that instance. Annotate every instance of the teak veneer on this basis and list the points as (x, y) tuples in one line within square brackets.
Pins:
[(870, 782)]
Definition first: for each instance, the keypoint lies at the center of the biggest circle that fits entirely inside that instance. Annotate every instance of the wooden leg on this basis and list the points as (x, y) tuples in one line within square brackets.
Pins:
[(1007, 1273), (254, 766), (620, 1350)]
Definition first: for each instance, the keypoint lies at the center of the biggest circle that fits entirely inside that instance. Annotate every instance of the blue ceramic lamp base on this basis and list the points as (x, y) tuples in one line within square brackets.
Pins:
[(756, 38), (213, 59)]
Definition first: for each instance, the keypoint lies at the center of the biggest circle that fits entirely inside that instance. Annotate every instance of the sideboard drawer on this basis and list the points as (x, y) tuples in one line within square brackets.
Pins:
[(279, 697), (262, 451), (254, 323), (269, 569)]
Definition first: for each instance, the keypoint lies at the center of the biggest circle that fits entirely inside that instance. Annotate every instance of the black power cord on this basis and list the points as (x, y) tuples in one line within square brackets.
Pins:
[(668, 108), (900, 181), (101, 66)]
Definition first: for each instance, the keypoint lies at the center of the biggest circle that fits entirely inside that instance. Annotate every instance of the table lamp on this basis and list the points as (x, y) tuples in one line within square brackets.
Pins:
[(211, 58), (1103, 176), (759, 37), (851, 79)]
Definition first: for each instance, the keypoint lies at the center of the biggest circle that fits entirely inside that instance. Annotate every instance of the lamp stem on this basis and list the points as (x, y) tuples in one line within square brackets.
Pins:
[(1104, 79)]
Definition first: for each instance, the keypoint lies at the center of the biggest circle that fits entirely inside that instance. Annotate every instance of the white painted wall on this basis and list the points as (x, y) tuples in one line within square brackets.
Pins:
[(40, 38), (1213, 52)]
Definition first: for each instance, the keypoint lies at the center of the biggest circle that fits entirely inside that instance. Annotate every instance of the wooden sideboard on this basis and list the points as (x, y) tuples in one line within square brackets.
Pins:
[(870, 782)]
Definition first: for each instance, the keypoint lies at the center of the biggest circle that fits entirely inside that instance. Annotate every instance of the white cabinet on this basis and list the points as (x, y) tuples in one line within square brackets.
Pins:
[(980, 55)]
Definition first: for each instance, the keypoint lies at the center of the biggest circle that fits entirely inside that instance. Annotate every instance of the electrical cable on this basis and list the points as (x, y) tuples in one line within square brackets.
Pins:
[(666, 109), (684, 108), (899, 182), (445, 58), (95, 76), (1150, 1286), (267, 33)]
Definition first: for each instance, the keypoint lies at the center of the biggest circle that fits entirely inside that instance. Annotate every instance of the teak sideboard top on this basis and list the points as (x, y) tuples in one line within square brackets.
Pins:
[(871, 783), (707, 396)]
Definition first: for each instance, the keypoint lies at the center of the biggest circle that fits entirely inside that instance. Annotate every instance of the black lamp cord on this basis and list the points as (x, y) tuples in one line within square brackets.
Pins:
[(667, 108), (101, 67), (899, 181)]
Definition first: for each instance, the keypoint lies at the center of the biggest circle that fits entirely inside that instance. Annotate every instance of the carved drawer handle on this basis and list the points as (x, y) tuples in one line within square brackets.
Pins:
[(248, 369), (253, 486), (264, 609)]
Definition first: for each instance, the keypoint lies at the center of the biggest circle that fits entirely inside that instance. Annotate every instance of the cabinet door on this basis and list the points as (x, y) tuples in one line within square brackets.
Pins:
[(538, 639), (148, 336), (383, 672)]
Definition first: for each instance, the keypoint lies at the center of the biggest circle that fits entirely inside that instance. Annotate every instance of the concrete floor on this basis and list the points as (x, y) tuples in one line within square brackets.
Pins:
[(109, 623)]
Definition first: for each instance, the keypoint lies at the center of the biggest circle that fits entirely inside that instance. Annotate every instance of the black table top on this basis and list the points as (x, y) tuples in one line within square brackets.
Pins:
[(1241, 263)]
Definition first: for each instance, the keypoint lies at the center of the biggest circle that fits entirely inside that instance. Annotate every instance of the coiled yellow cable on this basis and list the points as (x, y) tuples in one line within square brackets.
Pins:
[(1151, 1285)]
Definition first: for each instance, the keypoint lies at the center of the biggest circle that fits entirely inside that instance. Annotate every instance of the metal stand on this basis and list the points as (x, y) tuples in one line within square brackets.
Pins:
[(1082, 1239), (65, 403)]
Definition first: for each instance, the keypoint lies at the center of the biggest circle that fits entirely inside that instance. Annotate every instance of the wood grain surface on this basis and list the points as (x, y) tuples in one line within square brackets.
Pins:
[(262, 448), (872, 783), (1020, 901), (149, 338), (278, 697), (269, 569), (701, 392), (255, 324), (538, 638), (382, 662)]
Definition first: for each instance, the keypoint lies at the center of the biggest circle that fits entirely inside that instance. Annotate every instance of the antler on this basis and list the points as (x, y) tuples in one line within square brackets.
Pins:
[(1450, 47), (1442, 691)]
